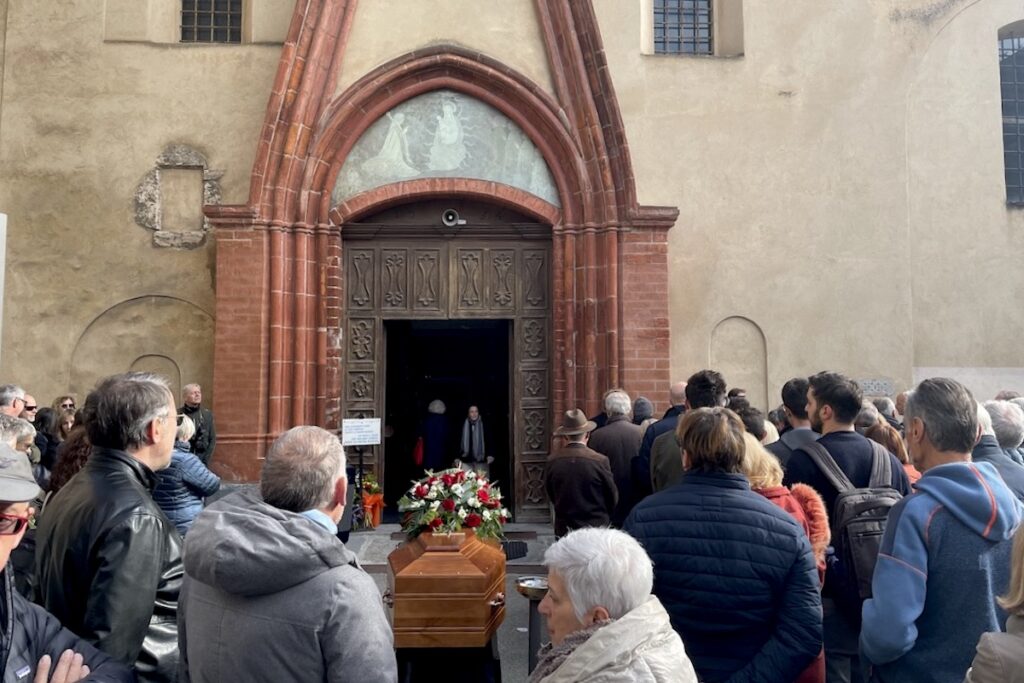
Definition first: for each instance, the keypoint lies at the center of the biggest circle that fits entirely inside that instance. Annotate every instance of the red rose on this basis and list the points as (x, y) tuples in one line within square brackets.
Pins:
[(502, 519), (460, 476), (483, 496), (447, 480), (436, 523), (431, 481), (422, 490), (473, 520), (448, 505)]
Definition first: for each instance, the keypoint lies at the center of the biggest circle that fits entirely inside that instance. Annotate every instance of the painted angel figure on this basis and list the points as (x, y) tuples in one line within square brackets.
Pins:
[(392, 161)]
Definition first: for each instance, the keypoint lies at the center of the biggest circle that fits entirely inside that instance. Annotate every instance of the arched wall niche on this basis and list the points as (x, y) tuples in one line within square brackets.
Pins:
[(739, 352), (121, 339), (160, 365)]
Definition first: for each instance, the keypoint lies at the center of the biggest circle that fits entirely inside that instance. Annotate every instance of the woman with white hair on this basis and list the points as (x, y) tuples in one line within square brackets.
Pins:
[(603, 621)]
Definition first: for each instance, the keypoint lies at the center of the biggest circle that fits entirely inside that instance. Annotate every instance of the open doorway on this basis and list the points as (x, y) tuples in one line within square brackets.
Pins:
[(461, 363)]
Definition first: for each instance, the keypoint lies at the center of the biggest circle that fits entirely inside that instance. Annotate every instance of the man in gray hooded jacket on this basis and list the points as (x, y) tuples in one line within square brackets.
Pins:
[(270, 593)]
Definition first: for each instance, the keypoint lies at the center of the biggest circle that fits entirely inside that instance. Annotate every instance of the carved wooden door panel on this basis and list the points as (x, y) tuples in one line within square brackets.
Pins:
[(389, 279)]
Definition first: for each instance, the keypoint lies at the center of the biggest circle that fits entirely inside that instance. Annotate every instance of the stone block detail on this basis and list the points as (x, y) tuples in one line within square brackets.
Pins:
[(148, 200)]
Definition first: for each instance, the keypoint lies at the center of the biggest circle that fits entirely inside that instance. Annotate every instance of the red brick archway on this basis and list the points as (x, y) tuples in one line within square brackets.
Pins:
[(279, 281)]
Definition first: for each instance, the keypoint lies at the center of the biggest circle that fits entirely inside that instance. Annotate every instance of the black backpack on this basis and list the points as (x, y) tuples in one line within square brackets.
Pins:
[(858, 522)]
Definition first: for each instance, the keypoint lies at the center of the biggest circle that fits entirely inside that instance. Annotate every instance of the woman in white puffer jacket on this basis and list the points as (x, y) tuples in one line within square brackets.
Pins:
[(605, 625)]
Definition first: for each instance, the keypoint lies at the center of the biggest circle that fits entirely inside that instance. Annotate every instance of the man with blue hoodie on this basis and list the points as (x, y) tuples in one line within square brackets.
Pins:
[(945, 555)]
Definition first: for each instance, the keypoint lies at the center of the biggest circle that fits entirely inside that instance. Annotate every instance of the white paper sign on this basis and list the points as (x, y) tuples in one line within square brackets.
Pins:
[(364, 432)]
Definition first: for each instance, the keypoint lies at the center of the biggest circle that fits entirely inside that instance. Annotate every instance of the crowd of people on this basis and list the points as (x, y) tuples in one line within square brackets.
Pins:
[(837, 539), (841, 538)]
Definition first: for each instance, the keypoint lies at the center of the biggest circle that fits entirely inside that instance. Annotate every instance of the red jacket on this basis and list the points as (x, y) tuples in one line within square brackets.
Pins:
[(808, 508)]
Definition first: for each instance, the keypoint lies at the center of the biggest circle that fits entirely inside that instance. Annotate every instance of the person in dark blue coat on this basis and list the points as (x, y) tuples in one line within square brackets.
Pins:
[(987, 450), (181, 487), (735, 572), (434, 431)]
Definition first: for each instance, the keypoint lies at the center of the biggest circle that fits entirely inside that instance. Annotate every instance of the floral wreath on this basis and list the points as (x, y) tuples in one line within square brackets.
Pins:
[(450, 500)]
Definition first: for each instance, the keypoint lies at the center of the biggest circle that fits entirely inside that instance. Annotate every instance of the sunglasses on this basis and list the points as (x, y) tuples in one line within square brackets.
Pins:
[(180, 417), (67, 406), (28, 407), (13, 524)]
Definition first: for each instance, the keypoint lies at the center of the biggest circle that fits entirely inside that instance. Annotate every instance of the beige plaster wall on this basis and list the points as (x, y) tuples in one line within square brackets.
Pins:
[(82, 121), (507, 31), (840, 185)]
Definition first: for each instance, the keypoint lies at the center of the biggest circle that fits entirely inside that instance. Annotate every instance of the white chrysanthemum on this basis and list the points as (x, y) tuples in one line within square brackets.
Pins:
[(504, 512), (462, 513), (473, 502), (486, 515), (436, 504), (457, 489)]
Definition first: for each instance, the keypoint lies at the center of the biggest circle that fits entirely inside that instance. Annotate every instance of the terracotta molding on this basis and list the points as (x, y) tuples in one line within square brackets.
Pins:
[(377, 199), (304, 142)]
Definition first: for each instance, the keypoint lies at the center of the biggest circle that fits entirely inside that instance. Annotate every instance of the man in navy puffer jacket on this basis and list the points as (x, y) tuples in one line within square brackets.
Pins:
[(735, 572)]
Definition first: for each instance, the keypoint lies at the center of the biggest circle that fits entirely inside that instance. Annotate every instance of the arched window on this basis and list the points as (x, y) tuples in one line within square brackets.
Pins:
[(1011, 78), (211, 21)]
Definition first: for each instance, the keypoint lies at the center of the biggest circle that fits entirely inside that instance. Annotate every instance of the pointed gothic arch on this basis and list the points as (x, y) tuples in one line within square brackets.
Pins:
[(278, 357)]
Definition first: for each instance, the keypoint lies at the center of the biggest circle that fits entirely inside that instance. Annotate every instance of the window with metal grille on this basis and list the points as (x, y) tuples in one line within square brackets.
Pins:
[(211, 21), (683, 27), (1011, 77)]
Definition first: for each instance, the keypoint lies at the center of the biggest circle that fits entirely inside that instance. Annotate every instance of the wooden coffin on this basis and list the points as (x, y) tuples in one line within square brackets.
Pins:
[(446, 591)]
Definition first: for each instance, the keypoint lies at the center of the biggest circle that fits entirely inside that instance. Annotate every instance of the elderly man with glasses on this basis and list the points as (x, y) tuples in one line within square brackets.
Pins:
[(12, 400)]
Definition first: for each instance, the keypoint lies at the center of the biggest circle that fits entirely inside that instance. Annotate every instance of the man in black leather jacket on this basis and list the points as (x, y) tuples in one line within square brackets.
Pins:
[(108, 561), (32, 641)]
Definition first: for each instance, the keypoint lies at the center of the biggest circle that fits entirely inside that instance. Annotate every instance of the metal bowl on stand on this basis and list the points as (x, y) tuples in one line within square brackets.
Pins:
[(533, 587)]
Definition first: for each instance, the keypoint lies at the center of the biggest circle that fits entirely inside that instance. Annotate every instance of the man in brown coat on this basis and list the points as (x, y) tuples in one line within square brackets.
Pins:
[(579, 481), (619, 439)]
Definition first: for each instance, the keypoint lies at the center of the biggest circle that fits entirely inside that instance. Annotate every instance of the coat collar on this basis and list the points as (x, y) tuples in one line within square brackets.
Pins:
[(722, 480), (110, 459), (674, 411), (615, 418)]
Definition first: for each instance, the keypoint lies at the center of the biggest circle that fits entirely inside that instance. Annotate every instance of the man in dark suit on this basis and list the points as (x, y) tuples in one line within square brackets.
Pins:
[(794, 403), (578, 480)]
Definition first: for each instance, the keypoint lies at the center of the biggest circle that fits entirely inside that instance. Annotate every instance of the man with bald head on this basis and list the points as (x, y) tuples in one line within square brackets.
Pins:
[(667, 424)]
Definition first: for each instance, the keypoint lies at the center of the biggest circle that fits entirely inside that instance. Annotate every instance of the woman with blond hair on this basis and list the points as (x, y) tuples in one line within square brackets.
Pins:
[(805, 505), (801, 501), (1000, 657)]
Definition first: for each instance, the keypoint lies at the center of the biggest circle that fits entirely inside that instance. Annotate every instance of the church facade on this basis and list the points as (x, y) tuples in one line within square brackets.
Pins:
[(287, 202)]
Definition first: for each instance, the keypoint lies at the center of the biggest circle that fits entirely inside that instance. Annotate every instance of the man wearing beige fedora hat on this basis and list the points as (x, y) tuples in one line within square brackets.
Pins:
[(579, 480)]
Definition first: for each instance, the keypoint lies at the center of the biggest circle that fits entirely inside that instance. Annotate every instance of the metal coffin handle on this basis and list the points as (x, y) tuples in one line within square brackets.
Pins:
[(498, 601), (388, 598)]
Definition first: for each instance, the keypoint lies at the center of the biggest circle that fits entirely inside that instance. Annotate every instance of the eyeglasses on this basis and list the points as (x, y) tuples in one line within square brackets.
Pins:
[(67, 406), (180, 418), (13, 524), (30, 408)]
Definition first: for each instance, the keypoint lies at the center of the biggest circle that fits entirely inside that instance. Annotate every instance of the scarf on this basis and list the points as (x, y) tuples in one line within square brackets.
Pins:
[(473, 440), (550, 657)]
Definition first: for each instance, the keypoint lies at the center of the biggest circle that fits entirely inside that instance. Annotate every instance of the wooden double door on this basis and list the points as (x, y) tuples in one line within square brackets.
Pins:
[(446, 284)]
